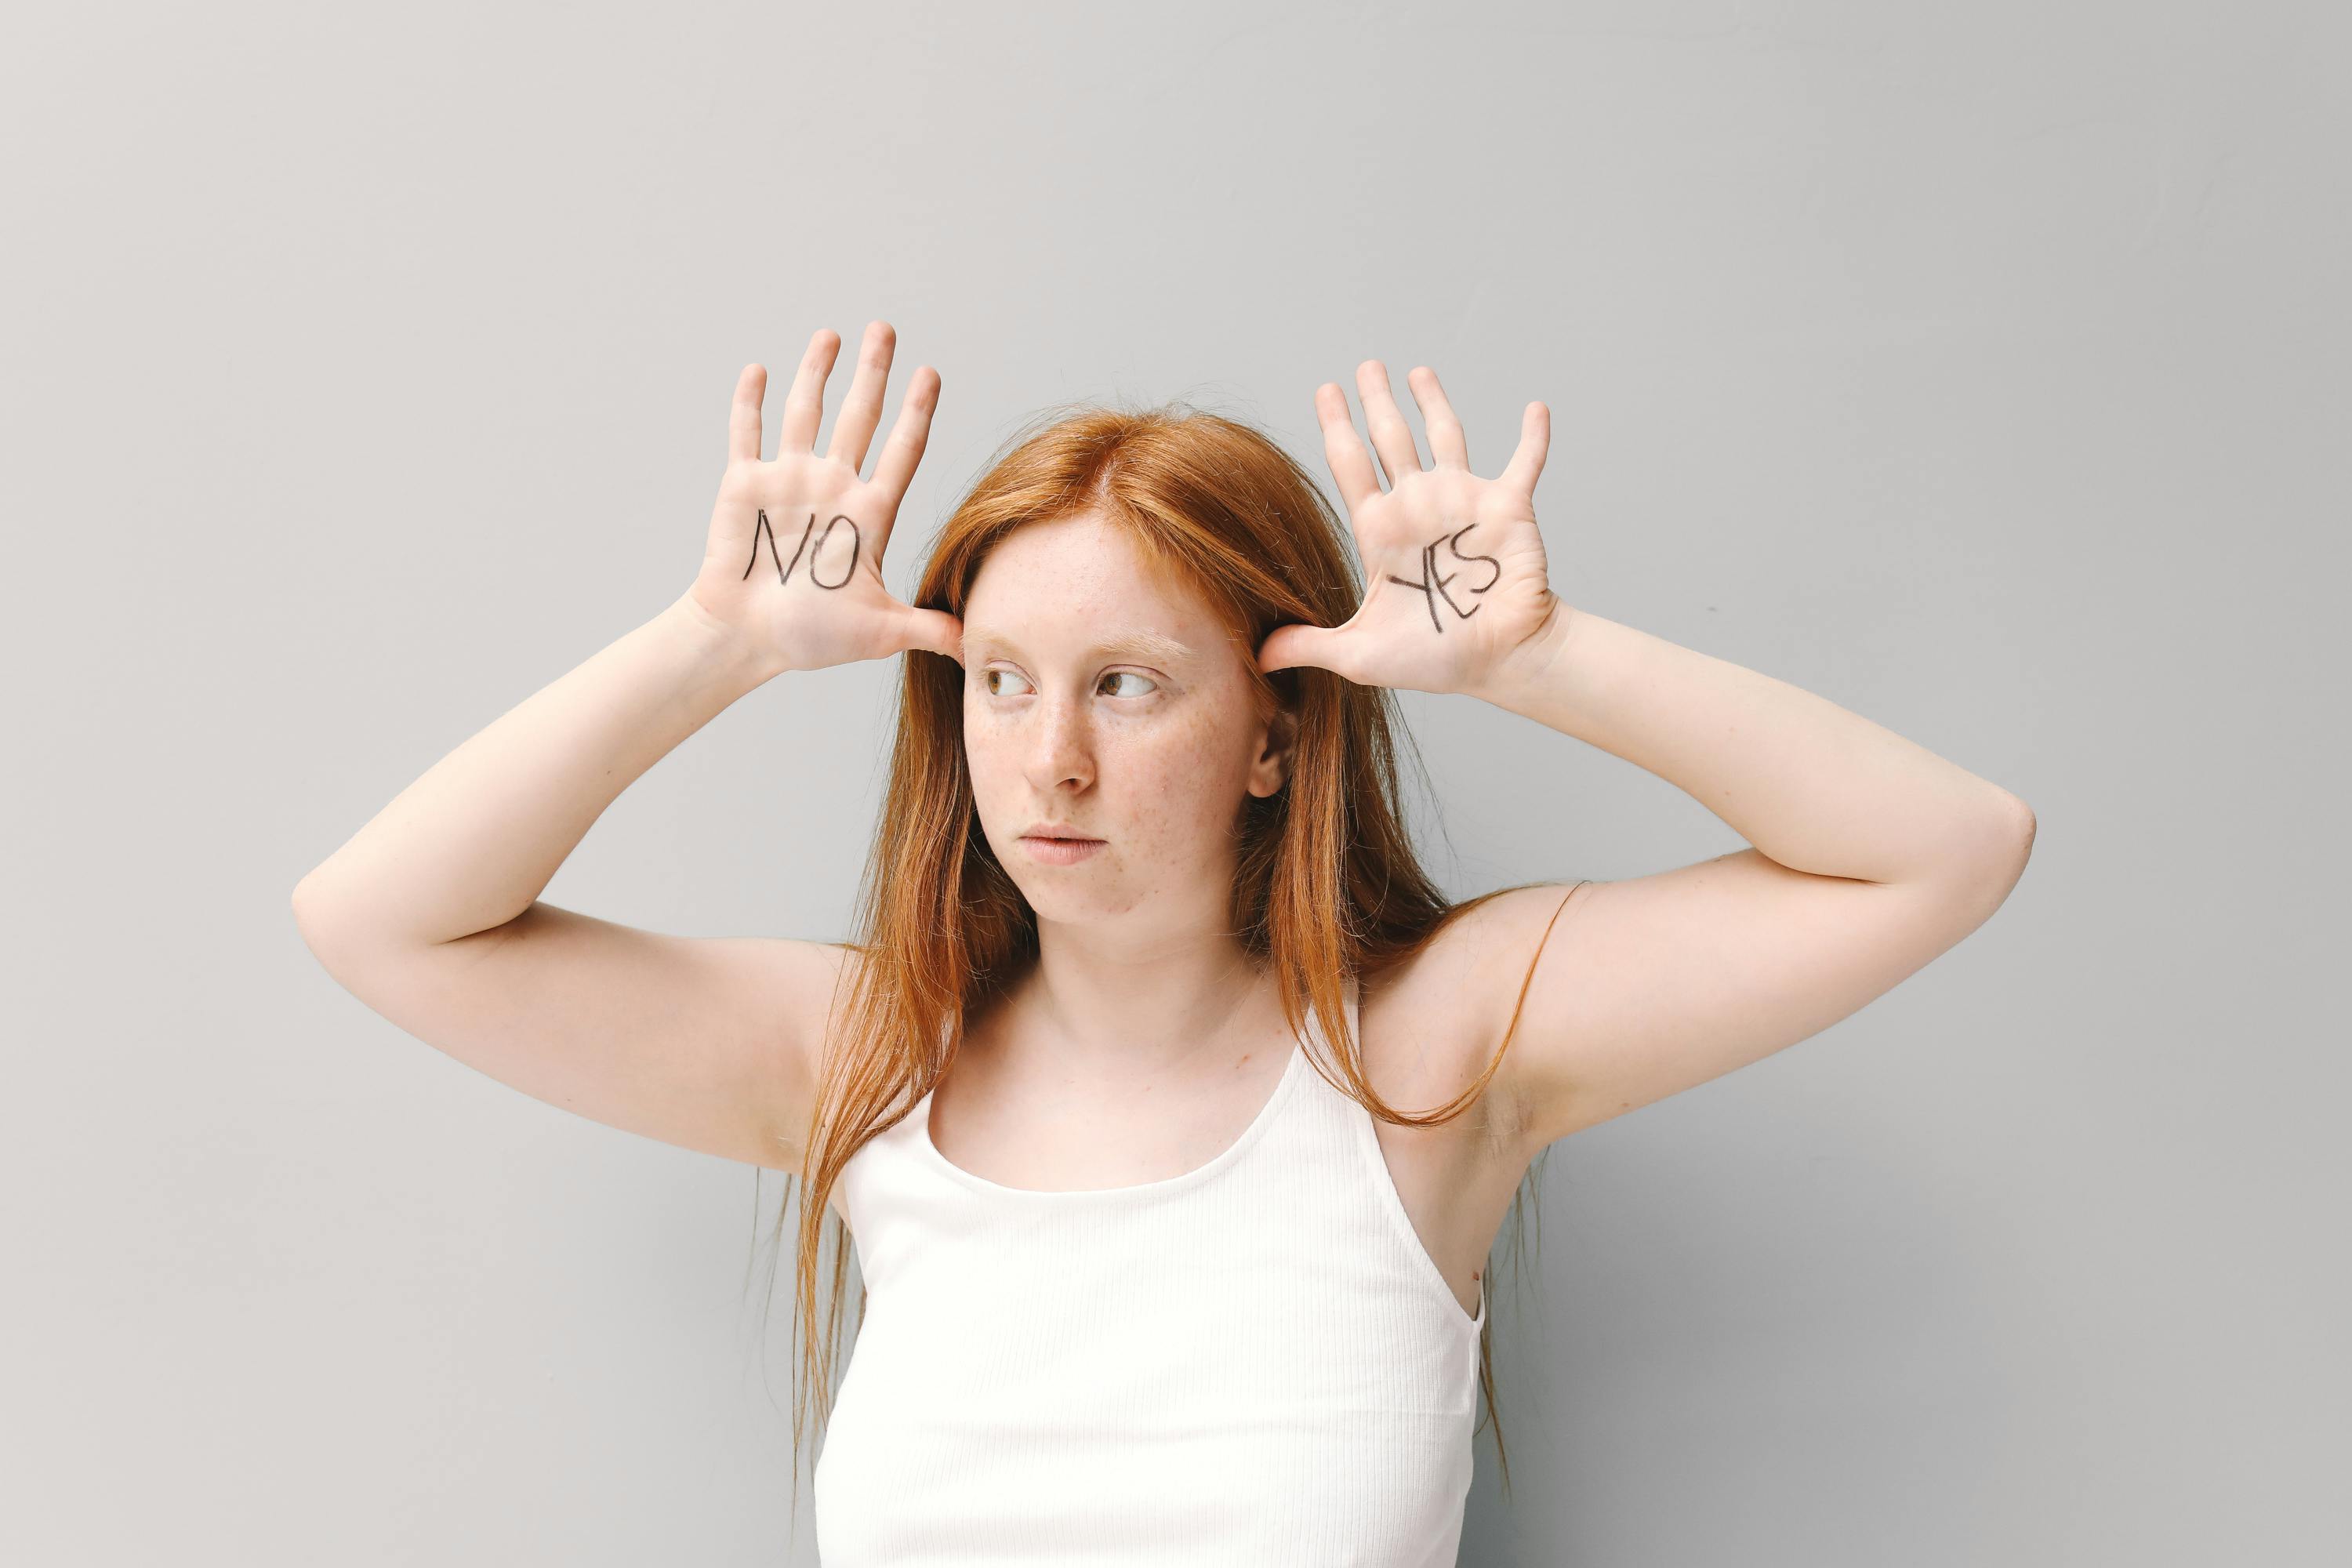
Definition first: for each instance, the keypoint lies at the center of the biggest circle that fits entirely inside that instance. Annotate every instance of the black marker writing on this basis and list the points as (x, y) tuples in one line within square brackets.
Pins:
[(784, 569), (1433, 586)]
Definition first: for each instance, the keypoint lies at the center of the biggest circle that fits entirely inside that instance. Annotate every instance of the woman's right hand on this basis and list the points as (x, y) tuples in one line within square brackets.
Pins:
[(793, 568)]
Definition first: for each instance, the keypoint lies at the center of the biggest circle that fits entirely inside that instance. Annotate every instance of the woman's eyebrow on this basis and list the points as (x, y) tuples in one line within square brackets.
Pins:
[(1148, 645)]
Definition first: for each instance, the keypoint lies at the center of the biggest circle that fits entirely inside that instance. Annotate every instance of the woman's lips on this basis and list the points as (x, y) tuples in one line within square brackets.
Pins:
[(1061, 851)]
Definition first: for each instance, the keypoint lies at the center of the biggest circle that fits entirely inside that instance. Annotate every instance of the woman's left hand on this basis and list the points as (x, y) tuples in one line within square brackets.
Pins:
[(1455, 582)]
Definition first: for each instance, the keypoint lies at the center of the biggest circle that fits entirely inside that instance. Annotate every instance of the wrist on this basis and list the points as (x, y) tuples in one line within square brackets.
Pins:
[(721, 645), (1529, 664)]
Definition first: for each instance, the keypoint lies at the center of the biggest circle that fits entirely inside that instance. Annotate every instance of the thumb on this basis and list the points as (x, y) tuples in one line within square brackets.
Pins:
[(935, 631), (1295, 645)]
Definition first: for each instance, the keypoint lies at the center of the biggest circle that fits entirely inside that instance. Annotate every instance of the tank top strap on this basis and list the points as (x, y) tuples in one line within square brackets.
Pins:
[(1348, 1134)]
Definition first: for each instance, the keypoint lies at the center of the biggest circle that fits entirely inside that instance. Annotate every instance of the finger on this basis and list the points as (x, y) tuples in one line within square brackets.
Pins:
[(1447, 448), (894, 470), (805, 404), (1384, 422), (1343, 449), (861, 410), (743, 419), (1535, 441)]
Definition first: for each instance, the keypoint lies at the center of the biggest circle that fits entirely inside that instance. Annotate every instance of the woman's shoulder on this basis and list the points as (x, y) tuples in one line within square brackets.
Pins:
[(1432, 1017)]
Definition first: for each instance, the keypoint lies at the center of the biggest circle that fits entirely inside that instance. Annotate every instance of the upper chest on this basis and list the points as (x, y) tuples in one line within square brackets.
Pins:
[(1420, 1049)]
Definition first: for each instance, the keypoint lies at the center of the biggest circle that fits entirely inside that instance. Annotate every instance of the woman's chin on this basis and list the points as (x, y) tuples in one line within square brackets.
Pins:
[(1062, 906), (1058, 897)]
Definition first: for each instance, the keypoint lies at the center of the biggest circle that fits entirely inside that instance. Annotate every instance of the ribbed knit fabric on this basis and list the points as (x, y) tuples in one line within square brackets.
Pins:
[(1255, 1361)]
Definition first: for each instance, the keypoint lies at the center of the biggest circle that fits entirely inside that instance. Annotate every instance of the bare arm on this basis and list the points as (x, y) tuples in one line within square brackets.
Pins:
[(1870, 855), (471, 844), (430, 914)]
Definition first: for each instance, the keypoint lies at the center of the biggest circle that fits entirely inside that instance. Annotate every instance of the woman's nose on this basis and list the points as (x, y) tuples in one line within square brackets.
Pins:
[(1060, 750)]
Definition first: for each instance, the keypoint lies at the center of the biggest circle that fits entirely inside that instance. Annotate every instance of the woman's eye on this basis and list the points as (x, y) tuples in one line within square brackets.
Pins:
[(990, 681)]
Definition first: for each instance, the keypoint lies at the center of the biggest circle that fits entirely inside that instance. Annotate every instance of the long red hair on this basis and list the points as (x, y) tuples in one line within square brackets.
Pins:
[(1328, 885)]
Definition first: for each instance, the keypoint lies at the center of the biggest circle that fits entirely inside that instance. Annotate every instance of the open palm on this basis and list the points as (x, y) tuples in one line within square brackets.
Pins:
[(793, 560), (1455, 578)]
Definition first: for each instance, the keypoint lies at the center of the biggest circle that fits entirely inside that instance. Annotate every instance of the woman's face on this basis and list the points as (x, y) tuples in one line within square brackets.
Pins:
[(1099, 699)]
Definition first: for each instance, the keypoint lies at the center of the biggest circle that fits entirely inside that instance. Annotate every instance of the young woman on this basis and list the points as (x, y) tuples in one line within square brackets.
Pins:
[(1172, 1110)]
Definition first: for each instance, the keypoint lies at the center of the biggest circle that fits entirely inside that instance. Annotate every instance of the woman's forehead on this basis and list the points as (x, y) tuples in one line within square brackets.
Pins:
[(1082, 582), (1083, 543)]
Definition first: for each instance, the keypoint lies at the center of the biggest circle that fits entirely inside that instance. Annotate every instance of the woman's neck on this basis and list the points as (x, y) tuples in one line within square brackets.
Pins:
[(1088, 1005)]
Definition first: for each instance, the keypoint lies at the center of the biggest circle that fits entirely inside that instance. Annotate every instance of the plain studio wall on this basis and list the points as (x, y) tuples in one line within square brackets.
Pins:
[(1982, 368)]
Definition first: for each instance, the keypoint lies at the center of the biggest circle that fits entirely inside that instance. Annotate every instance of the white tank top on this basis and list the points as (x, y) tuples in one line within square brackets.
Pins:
[(1256, 1361)]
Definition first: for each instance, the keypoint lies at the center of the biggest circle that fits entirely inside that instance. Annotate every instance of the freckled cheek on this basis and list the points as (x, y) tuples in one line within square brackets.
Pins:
[(1187, 774)]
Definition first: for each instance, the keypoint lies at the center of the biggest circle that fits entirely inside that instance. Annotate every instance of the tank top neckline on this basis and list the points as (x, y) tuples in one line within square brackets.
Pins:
[(920, 1116)]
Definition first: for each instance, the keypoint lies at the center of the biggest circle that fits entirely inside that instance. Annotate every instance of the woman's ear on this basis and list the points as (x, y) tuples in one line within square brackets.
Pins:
[(1271, 771)]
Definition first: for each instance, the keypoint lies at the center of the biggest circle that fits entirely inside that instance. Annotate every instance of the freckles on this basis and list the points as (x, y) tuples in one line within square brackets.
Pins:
[(1186, 788)]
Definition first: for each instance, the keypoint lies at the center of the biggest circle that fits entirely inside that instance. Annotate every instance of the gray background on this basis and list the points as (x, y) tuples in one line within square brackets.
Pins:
[(1980, 367)]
